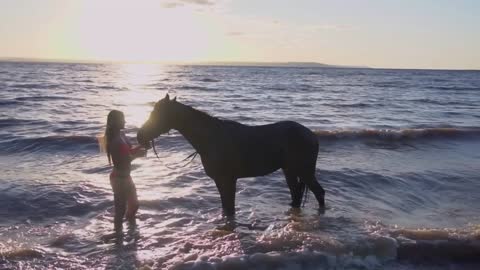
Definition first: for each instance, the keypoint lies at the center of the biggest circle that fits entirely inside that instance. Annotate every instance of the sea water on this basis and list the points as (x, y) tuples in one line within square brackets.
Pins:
[(399, 160)]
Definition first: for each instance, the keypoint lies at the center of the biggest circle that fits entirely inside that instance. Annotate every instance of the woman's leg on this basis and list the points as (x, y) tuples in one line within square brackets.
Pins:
[(120, 207), (132, 201), (120, 202)]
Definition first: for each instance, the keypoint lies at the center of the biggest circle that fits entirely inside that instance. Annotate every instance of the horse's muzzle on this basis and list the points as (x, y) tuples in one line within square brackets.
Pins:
[(142, 140)]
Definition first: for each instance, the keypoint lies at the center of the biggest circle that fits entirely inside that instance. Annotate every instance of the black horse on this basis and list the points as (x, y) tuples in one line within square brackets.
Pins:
[(230, 150)]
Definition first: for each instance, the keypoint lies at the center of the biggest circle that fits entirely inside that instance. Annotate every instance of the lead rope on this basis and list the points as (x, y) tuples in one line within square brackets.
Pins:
[(193, 156), (154, 150)]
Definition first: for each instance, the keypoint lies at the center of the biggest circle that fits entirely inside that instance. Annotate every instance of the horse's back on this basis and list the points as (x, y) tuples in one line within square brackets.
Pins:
[(286, 132), (275, 145), (281, 132)]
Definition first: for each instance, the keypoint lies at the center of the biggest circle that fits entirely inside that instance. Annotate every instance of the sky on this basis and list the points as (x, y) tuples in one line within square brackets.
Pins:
[(439, 34)]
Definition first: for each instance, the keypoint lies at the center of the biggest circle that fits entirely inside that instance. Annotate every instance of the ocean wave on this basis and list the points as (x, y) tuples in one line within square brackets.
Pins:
[(90, 143), (208, 80), (354, 105), (34, 85), (314, 73), (21, 201), (9, 102), (45, 98), (84, 81), (275, 88), (438, 102), (390, 84), (434, 245), (50, 143), (106, 87), (194, 87), (445, 251), (454, 88), (398, 134), (9, 122), (455, 253), (372, 252)]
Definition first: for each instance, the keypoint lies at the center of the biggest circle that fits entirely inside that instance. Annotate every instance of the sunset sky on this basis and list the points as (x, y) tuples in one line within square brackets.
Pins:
[(400, 34)]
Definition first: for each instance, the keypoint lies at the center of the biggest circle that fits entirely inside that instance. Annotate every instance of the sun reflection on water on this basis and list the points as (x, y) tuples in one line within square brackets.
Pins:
[(140, 75), (138, 90)]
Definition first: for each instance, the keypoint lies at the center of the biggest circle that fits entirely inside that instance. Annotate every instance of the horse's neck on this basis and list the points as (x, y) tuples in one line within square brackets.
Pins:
[(196, 127)]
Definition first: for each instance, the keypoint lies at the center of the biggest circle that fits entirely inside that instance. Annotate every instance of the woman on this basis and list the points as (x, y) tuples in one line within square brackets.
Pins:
[(120, 152)]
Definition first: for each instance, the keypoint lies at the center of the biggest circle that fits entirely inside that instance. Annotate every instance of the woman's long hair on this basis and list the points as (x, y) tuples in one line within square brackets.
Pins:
[(114, 119)]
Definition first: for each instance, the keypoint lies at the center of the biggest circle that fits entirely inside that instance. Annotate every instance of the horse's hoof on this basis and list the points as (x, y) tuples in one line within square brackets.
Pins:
[(295, 210), (229, 215), (295, 205), (229, 227)]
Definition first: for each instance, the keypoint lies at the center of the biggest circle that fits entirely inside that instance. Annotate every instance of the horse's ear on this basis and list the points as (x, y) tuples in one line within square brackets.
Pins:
[(174, 99), (167, 97)]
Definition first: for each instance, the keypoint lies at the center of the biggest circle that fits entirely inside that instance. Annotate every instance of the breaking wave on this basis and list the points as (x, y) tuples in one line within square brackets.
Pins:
[(399, 134)]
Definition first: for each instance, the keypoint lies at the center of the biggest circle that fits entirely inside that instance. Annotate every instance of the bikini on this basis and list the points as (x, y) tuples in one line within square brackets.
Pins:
[(125, 149), (118, 180)]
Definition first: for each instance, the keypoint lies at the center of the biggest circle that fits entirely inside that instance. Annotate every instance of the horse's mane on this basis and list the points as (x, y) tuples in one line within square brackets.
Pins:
[(199, 115)]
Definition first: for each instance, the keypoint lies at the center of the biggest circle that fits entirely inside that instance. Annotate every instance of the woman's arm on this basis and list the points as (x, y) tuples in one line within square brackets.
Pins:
[(122, 156), (130, 153), (137, 151)]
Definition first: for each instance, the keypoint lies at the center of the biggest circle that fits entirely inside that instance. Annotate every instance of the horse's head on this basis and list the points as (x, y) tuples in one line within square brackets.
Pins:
[(160, 121)]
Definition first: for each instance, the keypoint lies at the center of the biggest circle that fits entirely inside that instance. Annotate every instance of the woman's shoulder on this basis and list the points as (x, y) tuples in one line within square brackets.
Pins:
[(117, 141), (119, 146), (124, 138)]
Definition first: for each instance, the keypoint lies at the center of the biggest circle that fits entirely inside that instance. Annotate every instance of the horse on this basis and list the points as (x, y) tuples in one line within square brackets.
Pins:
[(230, 150)]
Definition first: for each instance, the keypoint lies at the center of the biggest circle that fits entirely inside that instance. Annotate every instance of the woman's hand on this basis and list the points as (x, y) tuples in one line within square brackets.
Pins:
[(138, 151), (141, 152)]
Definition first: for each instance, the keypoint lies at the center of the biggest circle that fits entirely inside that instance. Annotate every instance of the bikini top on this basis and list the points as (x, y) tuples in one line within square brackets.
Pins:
[(125, 146)]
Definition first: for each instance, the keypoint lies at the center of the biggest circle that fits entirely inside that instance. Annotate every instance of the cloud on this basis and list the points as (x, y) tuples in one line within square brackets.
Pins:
[(171, 4), (179, 3), (199, 2), (235, 33)]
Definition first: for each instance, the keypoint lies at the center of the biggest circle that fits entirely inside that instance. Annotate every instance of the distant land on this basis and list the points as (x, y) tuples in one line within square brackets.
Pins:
[(276, 64), (206, 63)]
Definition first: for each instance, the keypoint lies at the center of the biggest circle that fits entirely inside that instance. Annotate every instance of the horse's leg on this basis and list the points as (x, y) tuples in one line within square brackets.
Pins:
[(296, 188), (315, 187), (226, 188)]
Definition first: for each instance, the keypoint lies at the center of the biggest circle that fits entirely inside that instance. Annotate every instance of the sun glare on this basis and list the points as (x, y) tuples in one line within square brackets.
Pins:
[(142, 31), (136, 81)]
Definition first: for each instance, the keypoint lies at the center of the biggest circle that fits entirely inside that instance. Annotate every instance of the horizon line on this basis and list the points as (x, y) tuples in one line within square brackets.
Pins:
[(306, 64)]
